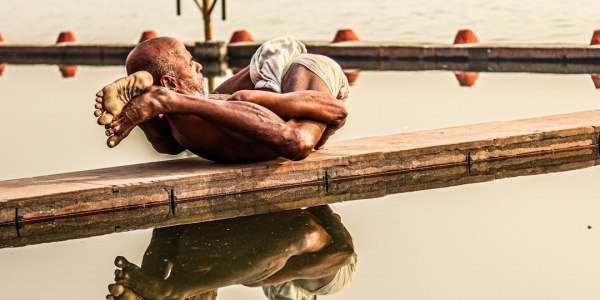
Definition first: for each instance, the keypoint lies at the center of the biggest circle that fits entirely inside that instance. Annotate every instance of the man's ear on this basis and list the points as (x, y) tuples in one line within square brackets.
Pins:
[(169, 82)]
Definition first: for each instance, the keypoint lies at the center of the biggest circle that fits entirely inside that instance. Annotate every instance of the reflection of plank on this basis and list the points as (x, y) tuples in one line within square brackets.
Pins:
[(227, 206), (98, 52), (209, 69), (467, 66), (441, 52), (163, 185)]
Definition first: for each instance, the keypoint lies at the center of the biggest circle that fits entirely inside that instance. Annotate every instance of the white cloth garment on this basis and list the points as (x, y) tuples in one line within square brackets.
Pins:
[(273, 58), (291, 290)]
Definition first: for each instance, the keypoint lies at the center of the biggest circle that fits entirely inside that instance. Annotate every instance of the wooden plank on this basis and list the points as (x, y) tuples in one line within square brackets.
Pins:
[(154, 184), (228, 206)]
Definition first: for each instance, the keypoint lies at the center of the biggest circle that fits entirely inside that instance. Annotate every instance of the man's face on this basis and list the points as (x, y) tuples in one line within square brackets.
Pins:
[(189, 73)]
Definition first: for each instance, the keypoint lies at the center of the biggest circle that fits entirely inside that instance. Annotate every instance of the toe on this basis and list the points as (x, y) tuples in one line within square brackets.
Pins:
[(112, 142), (119, 273), (98, 99), (105, 119), (98, 105), (110, 297), (100, 93), (116, 289), (97, 112), (121, 261)]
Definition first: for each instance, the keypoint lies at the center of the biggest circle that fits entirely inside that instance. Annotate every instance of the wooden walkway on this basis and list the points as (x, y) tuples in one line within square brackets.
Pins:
[(219, 50), (203, 190)]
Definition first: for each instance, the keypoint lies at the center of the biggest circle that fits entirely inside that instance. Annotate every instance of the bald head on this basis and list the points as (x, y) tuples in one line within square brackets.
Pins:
[(169, 63), (158, 56)]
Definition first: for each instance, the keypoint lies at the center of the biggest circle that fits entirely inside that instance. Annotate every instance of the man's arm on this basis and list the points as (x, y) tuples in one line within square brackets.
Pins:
[(309, 105)]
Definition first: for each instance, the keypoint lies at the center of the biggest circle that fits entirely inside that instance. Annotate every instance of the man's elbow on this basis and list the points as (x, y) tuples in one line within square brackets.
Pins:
[(296, 148)]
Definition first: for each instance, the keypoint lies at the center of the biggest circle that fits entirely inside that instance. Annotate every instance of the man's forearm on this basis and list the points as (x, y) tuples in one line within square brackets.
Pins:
[(310, 105)]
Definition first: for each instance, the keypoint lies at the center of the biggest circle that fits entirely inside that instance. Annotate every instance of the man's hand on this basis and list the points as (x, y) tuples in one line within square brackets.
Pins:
[(329, 131)]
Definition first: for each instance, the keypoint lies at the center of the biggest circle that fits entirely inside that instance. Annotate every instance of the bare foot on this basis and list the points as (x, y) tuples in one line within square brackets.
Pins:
[(139, 110), (113, 97), (132, 283)]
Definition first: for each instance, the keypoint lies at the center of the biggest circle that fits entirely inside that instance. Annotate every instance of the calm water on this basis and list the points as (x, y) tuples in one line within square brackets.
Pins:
[(521, 238), (396, 20), (49, 122)]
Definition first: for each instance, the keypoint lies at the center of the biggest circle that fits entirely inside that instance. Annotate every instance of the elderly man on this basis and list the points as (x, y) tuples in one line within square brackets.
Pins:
[(285, 103)]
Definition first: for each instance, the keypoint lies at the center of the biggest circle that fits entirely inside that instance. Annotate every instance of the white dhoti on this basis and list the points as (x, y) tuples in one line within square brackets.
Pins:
[(292, 290), (273, 58)]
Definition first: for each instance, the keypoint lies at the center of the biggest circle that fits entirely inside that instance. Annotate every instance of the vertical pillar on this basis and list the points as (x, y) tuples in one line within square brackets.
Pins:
[(207, 23)]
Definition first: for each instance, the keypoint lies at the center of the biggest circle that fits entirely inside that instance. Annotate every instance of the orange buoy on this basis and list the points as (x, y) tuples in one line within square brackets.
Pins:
[(466, 79), (240, 36), (2, 69), (146, 35), (67, 71), (596, 80), (1, 38), (65, 37), (596, 38), (465, 36), (345, 35), (351, 75)]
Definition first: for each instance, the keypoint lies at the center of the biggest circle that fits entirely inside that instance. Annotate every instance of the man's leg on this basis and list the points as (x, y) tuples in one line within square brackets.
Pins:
[(300, 78), (293, 139)]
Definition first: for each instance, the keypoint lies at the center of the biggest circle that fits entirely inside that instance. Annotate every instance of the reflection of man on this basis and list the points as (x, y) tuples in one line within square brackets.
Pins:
[(300, 282), (285, 103), (294, 254)]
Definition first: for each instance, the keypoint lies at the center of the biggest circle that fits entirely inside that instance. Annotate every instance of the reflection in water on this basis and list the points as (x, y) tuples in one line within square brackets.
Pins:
[(596, 80), (211, 84), (351, 75), (466, 79), (295, 254), (2, 69), (67, 71)]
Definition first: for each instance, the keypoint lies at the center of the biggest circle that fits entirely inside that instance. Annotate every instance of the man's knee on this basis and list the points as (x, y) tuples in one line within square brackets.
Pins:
[(297, 145)]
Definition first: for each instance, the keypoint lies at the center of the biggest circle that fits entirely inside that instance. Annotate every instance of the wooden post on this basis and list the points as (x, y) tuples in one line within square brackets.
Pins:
[(206, 9), (207, 23), (223, 11), (211, 84)]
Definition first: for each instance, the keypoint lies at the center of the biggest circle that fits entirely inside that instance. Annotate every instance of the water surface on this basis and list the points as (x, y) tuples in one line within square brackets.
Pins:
[(391, 20)]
